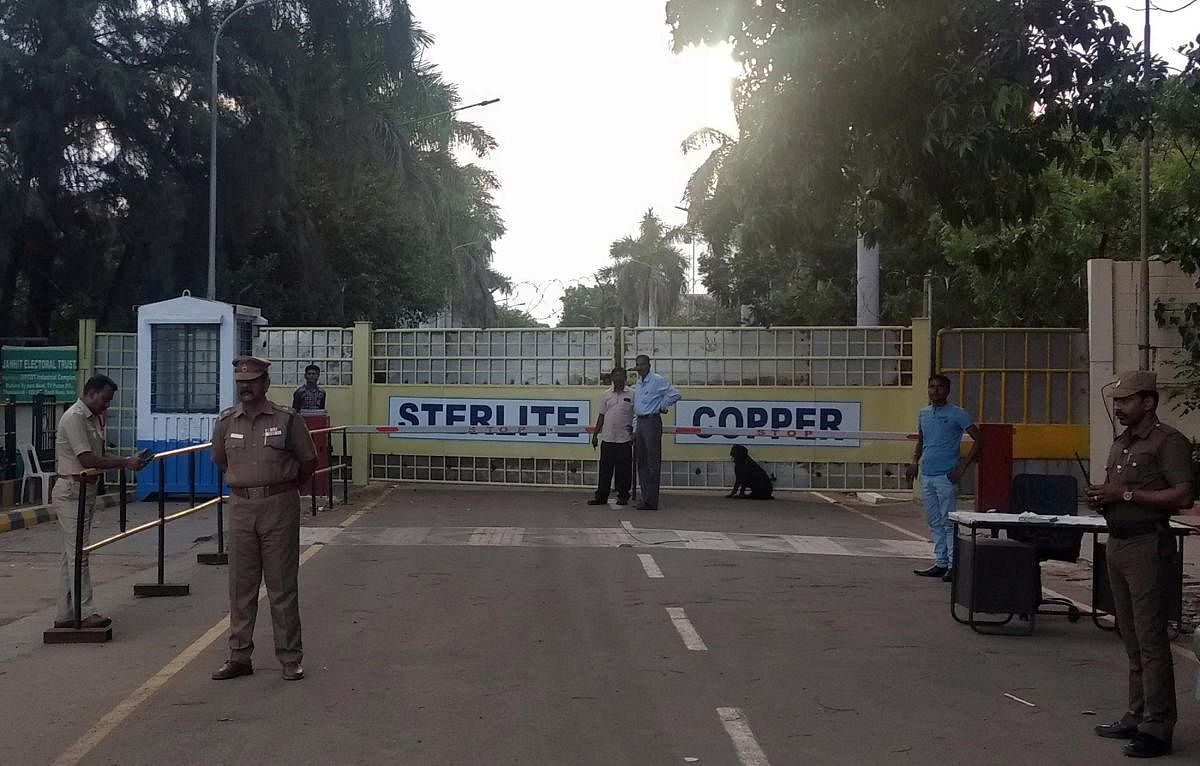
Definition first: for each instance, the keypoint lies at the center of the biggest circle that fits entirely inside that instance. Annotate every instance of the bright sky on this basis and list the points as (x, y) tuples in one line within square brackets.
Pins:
[(593, 109)]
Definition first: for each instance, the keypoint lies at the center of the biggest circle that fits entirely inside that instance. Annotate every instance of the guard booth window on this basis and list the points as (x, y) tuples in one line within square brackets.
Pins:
[(184, 368)]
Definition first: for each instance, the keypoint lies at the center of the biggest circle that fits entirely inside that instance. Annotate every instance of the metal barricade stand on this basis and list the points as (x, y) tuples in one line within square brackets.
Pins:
[(162, 588), (340, 467), (221, 556)]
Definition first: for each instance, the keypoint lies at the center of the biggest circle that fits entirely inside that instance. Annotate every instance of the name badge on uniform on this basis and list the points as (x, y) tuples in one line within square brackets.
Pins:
[(272, 431), (236, 436)]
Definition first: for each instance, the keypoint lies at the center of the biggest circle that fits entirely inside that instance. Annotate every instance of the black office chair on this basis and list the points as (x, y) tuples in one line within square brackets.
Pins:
[(1048, 495)]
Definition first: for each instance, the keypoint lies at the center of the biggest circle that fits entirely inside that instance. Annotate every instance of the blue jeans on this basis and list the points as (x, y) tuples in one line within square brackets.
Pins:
[(938, 494)]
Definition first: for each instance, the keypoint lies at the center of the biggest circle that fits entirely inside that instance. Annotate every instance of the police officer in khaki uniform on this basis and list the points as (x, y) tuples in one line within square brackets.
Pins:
[(265, 453), (1148, 477), (79, 445)]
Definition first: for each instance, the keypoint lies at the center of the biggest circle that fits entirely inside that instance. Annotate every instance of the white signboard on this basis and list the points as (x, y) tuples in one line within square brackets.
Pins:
[(771, 421), (497, 419)]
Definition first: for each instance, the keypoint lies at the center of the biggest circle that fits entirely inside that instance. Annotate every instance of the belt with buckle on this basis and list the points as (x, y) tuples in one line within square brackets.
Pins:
[(252, 493)]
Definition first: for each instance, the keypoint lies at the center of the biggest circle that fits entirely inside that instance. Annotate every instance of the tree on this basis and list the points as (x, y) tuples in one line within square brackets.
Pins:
[(650, 271), (337, 201), (876, 117), (596, 305)]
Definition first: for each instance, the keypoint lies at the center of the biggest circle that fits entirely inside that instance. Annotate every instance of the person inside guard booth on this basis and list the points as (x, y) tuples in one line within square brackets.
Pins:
[(1148, 476), (265, 453)]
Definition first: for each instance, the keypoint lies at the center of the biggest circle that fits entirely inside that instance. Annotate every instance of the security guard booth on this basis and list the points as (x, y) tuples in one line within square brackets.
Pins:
[(185, 379)]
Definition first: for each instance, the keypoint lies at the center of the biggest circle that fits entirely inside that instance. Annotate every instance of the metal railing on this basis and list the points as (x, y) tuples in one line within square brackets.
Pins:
[(163, 519)]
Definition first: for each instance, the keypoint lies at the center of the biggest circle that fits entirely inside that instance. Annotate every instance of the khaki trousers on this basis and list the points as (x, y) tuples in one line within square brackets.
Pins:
[(264, 545), (1138, 568), (65, 499)]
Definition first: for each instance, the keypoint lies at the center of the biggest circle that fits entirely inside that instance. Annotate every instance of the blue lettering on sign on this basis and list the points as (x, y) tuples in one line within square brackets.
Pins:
[(780, 418), (481, 415), (541, 411), (455, 414), (432, 410), (408, 414)]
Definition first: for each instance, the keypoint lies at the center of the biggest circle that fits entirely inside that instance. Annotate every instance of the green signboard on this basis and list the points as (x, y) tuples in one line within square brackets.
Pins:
[(30, 370)]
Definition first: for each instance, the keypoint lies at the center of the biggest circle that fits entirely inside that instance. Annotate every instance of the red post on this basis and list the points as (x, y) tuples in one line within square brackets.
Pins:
[(319, 484), (995, 467)]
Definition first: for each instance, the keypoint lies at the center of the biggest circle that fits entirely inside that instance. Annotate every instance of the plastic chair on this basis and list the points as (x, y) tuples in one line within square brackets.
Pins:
[(1048, 495), (33, 470)]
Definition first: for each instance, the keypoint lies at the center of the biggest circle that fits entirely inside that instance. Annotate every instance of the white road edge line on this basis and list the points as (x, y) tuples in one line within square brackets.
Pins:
[(738, 728), (687, 631), (113, 718), (648, 564), (888, 524)]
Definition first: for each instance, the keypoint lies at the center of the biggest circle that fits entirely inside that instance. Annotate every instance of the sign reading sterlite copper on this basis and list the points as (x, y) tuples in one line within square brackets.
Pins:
[(31, 370), (774, 421), (496, 419)]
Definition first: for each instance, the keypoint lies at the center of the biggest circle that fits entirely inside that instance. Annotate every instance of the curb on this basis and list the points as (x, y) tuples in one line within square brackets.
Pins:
[(24, 518)]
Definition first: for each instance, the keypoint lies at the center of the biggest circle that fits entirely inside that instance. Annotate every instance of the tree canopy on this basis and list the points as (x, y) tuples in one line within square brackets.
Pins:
[(338, 198), (903, 120)]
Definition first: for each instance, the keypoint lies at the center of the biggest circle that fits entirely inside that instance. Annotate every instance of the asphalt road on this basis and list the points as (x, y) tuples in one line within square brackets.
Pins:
[(451, 625)]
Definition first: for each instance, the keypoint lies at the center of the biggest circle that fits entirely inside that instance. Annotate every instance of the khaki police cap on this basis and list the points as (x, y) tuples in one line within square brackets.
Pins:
[(249, 367), (1134, 382)]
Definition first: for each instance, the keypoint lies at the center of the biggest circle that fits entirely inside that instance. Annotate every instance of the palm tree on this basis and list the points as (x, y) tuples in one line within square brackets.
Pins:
[(650, 271)]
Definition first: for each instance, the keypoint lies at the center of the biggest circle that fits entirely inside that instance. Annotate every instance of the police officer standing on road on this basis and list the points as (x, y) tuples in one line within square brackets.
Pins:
[(265, 453), (1148, 476), (79, 445)]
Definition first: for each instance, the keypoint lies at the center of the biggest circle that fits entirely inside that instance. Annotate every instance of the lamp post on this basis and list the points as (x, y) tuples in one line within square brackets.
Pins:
[(211, 292)]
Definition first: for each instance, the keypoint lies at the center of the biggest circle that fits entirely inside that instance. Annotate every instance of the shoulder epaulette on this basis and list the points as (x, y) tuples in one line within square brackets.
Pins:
[(225, 413)]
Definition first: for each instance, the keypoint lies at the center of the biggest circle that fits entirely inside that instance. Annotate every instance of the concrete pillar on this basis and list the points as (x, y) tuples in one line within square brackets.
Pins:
[(1101, 363), (360, 444), (868, 285)]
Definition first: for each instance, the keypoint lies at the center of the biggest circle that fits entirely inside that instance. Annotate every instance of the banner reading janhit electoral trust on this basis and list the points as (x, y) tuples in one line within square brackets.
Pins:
[(31, 370)]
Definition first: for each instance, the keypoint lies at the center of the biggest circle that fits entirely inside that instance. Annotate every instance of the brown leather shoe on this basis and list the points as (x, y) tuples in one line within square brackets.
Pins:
[(232, 669), (292, 671)]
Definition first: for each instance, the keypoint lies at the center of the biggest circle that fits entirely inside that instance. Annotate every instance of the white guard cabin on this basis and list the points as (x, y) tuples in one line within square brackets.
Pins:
[(184, 380)]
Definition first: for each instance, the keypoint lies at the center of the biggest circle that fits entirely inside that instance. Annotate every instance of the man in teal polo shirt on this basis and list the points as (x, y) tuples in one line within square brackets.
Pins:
[(940, 427)]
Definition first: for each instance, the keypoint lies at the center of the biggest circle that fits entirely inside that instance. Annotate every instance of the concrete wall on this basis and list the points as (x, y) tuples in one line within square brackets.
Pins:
[(1113, 337)]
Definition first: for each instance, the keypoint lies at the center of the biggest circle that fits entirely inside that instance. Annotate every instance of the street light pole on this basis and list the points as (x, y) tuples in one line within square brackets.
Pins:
[(211, 292)]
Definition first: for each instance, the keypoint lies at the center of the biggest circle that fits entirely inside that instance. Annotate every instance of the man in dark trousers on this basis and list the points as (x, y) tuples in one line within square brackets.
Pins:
[(614, 432), (1148, 477), (653, 394), (265, 453)]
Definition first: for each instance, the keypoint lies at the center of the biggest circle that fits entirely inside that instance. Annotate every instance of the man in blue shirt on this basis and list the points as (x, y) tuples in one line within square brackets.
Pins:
[(653, 394), (940, 427)]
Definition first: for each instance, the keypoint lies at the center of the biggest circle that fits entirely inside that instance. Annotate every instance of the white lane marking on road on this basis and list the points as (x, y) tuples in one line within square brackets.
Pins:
[(887, 524), (649, 565), (687, 631), (1018, 699), (738, 728), (113, 718)]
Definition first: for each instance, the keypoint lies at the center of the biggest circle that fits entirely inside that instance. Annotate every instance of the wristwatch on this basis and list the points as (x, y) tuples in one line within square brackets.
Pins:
[(1127, 495)]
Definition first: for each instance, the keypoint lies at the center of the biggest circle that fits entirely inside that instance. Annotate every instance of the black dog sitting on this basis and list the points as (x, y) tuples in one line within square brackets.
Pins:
[(748, 476)]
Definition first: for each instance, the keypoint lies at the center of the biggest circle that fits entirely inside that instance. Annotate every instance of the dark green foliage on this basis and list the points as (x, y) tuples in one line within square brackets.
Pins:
[(335, 203)]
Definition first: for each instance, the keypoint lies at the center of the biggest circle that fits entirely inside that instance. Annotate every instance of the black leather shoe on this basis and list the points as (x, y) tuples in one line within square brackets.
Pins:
[(595, 501), (949, 576), (933, 571), (292, 671), (1144, 745), (622, 502), (232, 669), (644, 507), (1116, 730)]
